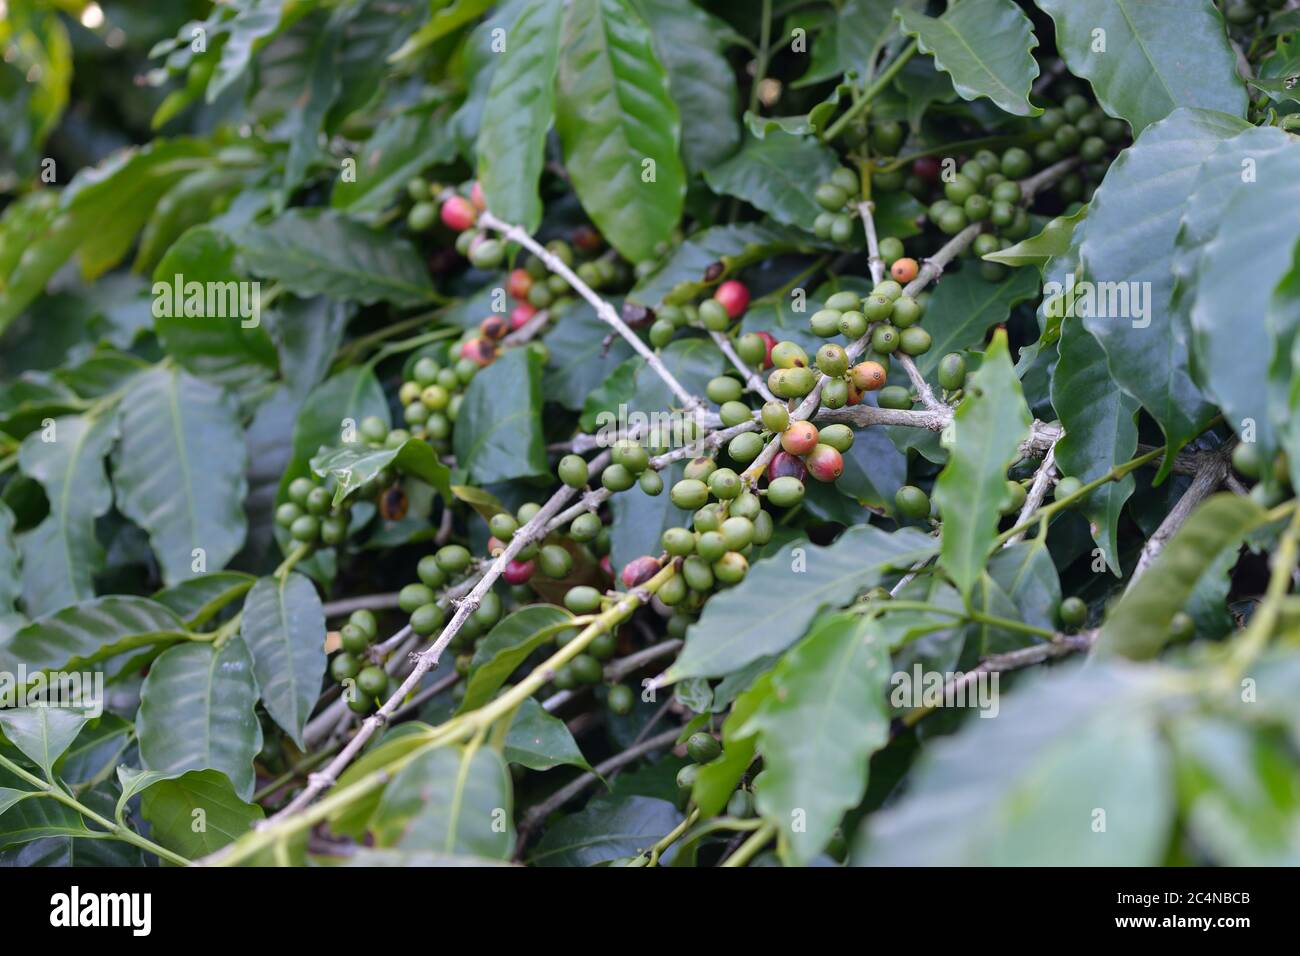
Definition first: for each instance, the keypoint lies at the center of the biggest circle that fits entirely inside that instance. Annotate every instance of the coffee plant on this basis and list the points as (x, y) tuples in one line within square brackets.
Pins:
[(649, 432)]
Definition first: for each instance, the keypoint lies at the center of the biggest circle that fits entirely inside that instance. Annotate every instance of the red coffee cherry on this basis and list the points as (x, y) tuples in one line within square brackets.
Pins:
[(825, 463), (734, 297), (786, 465), (458, 214), (800, 438), (520, 315), (518, 572), (476, 196), (640, 570)]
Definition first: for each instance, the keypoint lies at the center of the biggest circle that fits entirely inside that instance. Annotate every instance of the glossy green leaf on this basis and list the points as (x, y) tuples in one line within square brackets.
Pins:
[(195, 601), (691, 43), (518, 112), (197, 813), (507, 646), (179, 471), (1030, 787), (284, 627), (985, 45), (311, 252), (1142, 67), (1027, 575), (450, 801), (581, 356), (1138, 627), (777, 175), (89, 632), (614, 113), (539, 741), (43, 733), (498, 432), (716, 780), (824, 718), (1127, 253), (197, 713), (1242, 337), (401, 147), (205, 311), (988, 427), (61, 554), (608, 828), (96, 751), (353, 465), (772, 607), (1100, 431), (1055, 239)]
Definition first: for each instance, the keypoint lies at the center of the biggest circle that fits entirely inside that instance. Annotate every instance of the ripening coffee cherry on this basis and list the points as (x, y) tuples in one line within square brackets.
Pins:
[(731, 568), (784, 464), (702, 747), (868, 376), (453, 558), (585, 527), (884, 339), (573, 471), (839, 437), (904, 270), (891, 250), (745, 447), (519, 572), (1073, 612), (617, 478), (733, 413), (582, 599), (775, 416), (724, 388), (799, 438), (894, 396), (853, 324), (825, 322), (689, 494), (751, 348), (725, 484), (1246, 459), (785, 492), (1066, 488), (914, 341), (714, 316), (912, 502), (952, 371), (734, 297), (745, 505), (832, 360), (678, 542), (344, 666), (458, 213), (825, 463), (788, 355)]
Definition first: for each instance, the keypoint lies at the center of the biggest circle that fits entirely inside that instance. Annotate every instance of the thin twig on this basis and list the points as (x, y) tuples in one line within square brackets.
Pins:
[(1037, 491), (1209, 476)]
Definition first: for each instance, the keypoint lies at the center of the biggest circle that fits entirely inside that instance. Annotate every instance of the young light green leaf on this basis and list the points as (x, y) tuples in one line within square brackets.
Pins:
[(619, 127), (985, 45), (770, 610), (61, 554), (197, 712), (1138, 627), (1054, 240), (179, 471), (43, 733), (284, 627), (451, 801), (1140, 68), (988, 427), (507, 646), (171, 805), (817, 729)]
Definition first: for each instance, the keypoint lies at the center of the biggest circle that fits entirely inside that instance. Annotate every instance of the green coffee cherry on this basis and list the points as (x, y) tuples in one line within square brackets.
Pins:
[(573, 471), (785, 492), (912, 502)]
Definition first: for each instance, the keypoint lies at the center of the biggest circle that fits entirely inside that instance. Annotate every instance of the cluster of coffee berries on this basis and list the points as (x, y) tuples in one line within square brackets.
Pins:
[(1272, 478), (713, 314), (893, 318), (358, 662), (837, 197), (1078, 127), (431, 399), (309, 515), (805, 450), (703, 748), (423, 212)]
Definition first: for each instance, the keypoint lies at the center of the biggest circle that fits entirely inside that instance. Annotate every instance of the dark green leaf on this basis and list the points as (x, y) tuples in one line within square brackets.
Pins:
[(88, 632), (498, 432), (539, 741), (607, 829), (43, 733), (402, 146), (284, 627), (777, 175)]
